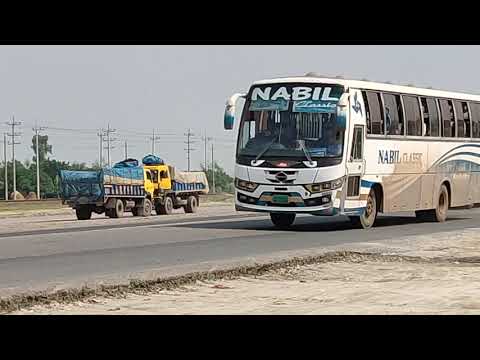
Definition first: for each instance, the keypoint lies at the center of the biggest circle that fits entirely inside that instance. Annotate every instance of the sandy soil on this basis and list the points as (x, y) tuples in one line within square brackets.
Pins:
[(438, 275)]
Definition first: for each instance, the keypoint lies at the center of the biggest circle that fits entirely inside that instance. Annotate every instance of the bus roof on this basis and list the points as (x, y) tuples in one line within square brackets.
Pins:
[(371, 85)]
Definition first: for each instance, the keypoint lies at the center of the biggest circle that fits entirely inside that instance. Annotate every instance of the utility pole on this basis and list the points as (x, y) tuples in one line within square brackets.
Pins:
[(154, 139), (126, 150), (189, 134), (13, 134), (100, 149), (213, 172), (205, 141), (37, 130), (5, 164), (109, 140)]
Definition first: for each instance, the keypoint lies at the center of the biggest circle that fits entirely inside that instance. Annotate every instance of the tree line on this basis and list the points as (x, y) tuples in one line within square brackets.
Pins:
[(26, 172)]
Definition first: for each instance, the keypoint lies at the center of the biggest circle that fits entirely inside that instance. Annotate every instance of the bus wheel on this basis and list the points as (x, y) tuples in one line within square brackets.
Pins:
[(367, 219), (282, 221), (440, 212)]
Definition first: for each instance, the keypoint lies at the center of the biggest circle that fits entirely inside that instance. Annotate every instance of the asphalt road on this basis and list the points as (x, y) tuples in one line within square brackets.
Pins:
[(57, 257)]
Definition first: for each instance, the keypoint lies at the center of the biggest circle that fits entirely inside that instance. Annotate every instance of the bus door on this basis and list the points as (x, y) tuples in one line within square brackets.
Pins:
[(355, 163)]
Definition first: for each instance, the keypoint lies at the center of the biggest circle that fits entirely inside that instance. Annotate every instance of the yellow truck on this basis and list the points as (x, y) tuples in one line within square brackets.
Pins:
[(129, 187)]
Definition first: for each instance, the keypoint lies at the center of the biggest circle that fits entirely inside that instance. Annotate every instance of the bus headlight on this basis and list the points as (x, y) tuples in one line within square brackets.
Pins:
[(245, 185), (325, 186)]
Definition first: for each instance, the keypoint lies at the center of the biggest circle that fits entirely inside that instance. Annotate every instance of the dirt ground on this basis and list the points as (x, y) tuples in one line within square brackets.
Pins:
[(417, 275)]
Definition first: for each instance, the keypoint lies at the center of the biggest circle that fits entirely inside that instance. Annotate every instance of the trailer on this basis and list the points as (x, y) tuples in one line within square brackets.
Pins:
[(128, 187)]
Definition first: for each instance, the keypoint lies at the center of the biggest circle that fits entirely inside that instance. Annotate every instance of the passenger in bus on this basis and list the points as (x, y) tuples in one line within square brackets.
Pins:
[(388, 121)]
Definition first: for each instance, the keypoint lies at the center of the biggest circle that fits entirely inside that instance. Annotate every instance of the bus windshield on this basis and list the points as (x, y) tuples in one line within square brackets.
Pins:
[(288, 129)]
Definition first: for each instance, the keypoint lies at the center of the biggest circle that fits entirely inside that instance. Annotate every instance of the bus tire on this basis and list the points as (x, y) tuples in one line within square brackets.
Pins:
[(119, 209), (369, 216), (83, 213), (439, 214), (282, 221), (166, 208), (192, 205), (146, 210)]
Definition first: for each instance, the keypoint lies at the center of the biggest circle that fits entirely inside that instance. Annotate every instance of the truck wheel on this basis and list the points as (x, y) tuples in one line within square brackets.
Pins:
[(147, 208), (118, 209), (166, 208), (282, 221), (83, 213), (192, 205)]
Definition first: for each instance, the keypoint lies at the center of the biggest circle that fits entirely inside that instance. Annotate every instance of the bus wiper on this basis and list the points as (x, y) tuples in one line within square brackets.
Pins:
[(307, 155), (265, 149)]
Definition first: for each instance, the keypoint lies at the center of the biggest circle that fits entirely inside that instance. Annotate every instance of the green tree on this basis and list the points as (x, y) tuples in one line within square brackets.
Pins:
[(223, 181)]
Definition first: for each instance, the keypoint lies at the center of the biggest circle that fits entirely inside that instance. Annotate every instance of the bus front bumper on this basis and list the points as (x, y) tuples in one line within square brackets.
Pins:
[(325, 204)]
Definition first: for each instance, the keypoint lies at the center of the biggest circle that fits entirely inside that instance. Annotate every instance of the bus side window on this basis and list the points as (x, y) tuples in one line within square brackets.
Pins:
[(367, 112), (393, 114), (374, 109), (430, 117), (466, 117), (357, 146), (475, 109), (460, 119), (412, 115), (448, 120)]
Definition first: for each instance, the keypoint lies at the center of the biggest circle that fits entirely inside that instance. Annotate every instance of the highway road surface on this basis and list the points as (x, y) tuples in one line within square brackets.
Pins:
[(49, 253)]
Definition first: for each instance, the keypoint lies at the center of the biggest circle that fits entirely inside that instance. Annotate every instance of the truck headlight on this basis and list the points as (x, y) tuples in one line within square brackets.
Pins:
[(245, 185), (325, 186)]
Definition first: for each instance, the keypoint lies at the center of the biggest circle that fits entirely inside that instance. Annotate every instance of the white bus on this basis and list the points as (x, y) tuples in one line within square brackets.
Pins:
[(330, 146)]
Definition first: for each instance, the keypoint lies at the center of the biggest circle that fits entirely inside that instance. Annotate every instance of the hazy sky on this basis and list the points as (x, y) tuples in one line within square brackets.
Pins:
[(172, 88)]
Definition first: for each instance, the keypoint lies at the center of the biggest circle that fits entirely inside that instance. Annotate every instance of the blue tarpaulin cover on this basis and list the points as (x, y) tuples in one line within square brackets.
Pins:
[(127, 163), (81, 183), (152, 160), (91, 184)]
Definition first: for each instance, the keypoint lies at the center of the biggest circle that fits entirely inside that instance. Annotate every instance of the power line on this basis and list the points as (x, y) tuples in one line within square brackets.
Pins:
[(189, 142), (154, 138), (13, 134), (205, 141), (109, 140)]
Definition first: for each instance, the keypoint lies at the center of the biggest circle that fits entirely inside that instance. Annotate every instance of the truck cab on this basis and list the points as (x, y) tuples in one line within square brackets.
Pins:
[(157, 179)]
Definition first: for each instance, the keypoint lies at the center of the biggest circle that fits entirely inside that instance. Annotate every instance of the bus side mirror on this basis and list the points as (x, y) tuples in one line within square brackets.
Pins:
[(342, 107), (229, 117)]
